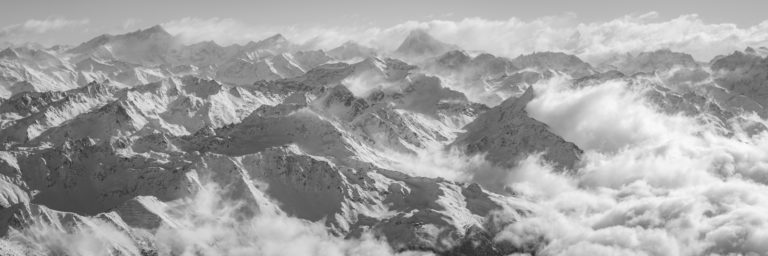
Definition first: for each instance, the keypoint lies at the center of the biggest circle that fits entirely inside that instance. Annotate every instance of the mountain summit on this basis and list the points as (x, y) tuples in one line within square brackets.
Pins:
[(419, 43), (275, 43), (155, 30)]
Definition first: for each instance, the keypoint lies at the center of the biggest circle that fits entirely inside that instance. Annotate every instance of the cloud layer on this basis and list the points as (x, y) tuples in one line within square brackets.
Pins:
[(592, 41), (650, 183)]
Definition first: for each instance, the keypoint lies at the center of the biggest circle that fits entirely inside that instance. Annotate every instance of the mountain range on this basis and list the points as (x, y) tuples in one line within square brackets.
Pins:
[(124, 130)]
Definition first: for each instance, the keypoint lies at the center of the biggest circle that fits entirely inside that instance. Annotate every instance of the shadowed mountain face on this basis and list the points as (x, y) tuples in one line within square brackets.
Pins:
[(137, 144), (508, 134), (419, 43)]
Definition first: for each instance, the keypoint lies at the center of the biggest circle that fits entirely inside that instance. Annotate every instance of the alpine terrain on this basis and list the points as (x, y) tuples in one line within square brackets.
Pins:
[(142, 144)]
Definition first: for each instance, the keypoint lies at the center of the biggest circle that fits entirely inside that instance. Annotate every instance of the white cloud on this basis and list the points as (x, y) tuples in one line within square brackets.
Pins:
[(130, 23), (40, 26), (723, 217), (512, 37), (40, 31), (650, 183)]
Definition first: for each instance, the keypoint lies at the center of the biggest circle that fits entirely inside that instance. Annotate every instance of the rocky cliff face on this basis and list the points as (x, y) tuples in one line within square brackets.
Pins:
[(507, 134)]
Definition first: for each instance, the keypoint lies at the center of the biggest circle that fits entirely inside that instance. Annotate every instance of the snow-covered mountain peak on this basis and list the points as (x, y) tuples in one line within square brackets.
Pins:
[(156, 32), (275, 44), (419, 43)]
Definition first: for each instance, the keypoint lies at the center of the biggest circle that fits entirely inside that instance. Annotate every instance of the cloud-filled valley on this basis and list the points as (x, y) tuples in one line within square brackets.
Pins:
[(635, 136)]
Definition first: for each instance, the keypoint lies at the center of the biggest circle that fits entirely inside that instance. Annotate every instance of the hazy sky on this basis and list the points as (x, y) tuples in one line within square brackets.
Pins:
[(77, 20)]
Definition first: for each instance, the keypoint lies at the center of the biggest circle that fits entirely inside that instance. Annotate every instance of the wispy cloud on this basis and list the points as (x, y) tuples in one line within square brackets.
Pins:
[(130, 23), (650, 183), (41, 26), (24, 32)]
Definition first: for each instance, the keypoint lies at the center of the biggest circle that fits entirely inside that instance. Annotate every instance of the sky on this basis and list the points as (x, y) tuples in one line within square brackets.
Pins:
[(383, 13), (686, 25)]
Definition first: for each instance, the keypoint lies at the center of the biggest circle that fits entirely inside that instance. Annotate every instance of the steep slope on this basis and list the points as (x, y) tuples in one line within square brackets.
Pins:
[(484, 78), (744, 78), (34, 70), (507, 134), (27, 115), (87, 178)]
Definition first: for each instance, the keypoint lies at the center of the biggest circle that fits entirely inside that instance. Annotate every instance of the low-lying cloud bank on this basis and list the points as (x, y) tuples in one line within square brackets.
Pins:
[(649, 183), (591, 41)]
